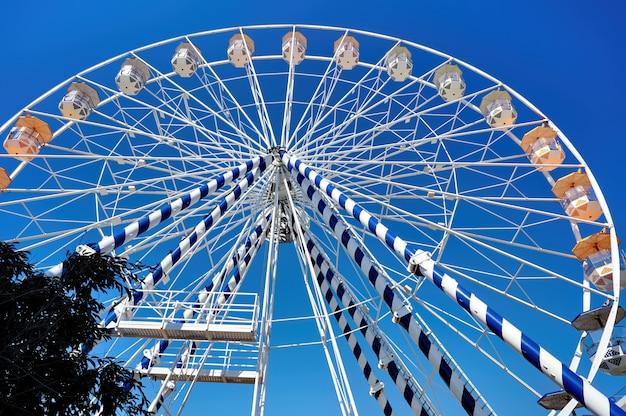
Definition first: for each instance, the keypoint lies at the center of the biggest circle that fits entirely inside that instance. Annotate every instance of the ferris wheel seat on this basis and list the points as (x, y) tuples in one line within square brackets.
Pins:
[(498, 109), (556, 400), (79, 101), (346, 52), (614, 359), (240, 50), (399, 64), (542, 148), (449, 82), (595, 319), (614, 362), (186, 60), (577, 196), (132, 76), (581, 203), (23, 141), (5, 179), (598, 269), (294, 47)]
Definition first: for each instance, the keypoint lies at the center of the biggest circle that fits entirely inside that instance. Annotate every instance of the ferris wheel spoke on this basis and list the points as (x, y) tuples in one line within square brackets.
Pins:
[(133, 130), (305, 138), (360, 182), (226, 89), (202, 105), (152, 111), (479, 242), (287, 108), (257, 93), (309, 107), (413, 114), (394, 299), (421, 264)]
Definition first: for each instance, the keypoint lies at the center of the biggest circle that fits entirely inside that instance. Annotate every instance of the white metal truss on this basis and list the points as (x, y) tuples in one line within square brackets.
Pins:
[(187, 178)]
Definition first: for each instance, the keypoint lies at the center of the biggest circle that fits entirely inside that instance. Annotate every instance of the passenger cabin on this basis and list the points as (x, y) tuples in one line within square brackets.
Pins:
[(79, 101), (132, 76), (614, 360), (542, 148), (399, 64), (294, 47), (497, 107), (577, 196), (5, 179), (346, 51), (27, 137), (449, 82), (240, 50), (595, 253), (186, 60)]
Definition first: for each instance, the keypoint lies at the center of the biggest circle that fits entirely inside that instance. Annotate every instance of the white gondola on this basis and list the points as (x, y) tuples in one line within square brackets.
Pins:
[(449, 82), (240, 49), (542, 148), (346, 52), (498, 109), (26, 138), (577, 196), (79, 101), (399, 64), (294, 47), (614, 361), (132, 76), (186, 60)]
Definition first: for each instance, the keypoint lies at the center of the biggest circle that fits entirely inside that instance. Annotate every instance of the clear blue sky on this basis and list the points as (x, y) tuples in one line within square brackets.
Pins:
[(566, 57)]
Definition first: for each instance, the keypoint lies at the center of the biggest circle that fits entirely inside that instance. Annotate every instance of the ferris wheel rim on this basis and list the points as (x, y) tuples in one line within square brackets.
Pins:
[(518, 96)]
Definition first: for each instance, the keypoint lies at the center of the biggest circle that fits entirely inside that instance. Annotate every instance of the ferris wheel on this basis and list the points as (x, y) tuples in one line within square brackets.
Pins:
[(453, 250)]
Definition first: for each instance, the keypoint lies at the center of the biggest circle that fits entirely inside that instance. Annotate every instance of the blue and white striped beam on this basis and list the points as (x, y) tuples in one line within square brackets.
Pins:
[(458, 383), (261, 227), (421, 264), (376, 386), (170, 385), (328, 279), (169, 261), (418, 403), (168, 210)]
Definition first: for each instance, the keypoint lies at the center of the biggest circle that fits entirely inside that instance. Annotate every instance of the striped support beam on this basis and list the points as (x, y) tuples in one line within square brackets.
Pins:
[(169, 261), (167, 389), (376, 386), (328, 278), (420, 263), (170, 385), (152, 356), (458, 383), (168, 210), (258, 233)]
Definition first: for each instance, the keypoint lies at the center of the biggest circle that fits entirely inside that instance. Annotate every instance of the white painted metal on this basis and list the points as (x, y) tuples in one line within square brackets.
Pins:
[(397, 147)]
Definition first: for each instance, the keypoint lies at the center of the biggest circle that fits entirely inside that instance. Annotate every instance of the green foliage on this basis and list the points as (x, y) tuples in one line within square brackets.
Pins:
[(44, 321)]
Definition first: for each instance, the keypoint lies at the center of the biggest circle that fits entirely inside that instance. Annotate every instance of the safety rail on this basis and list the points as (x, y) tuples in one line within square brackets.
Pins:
[(161, 315), (222, 362)]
